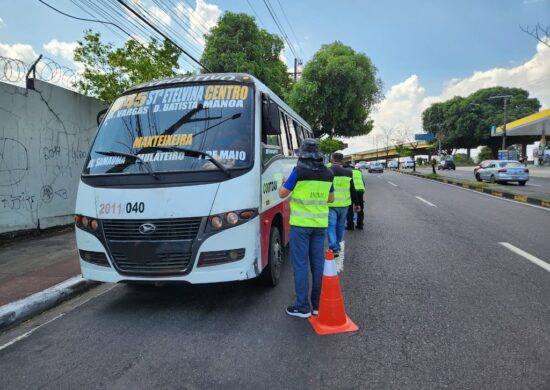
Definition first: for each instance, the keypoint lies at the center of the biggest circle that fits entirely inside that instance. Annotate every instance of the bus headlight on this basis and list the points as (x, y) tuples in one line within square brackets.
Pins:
[(86, 223), (216, 222), (232, 218)]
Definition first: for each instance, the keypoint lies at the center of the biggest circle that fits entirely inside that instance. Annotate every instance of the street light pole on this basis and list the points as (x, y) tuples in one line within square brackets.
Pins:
[(505, 98)]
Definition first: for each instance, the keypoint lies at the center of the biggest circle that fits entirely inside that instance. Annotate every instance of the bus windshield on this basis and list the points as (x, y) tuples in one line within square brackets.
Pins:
[(147, 128)]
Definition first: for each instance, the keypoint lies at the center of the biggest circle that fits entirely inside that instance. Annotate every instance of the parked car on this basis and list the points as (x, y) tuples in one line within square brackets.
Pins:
[(392, 164), (504, 171), (376, 167), (446, 164), (407, 164), (482, 164)]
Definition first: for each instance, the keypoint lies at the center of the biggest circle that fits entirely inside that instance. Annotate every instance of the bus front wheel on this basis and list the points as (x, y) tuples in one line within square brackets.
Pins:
[(272, 271)]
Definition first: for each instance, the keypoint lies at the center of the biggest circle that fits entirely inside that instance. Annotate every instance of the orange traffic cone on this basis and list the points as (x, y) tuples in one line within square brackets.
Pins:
[(332, 316)]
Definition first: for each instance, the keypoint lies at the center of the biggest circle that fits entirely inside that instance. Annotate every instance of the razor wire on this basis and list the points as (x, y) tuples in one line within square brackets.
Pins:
[(14, 71)]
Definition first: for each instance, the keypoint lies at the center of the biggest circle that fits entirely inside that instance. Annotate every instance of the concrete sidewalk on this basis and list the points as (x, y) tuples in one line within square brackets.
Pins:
[(30, 268)]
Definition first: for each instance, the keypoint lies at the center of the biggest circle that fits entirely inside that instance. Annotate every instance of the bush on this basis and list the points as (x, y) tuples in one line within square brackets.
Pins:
[(462, 159), (485, 154)]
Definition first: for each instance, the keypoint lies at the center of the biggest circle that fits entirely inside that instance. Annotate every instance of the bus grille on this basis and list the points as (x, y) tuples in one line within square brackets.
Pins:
[(162, 264), (166, 229)]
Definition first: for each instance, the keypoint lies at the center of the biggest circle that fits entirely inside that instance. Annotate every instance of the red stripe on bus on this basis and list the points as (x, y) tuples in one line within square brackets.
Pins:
[(266, 218)]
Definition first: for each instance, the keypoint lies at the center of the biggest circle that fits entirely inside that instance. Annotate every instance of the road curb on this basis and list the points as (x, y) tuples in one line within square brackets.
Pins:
[(489, 191), (23, 309)]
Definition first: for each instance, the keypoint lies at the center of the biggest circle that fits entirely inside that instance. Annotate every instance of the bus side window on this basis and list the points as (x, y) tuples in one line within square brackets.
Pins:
[(287, 147), (271, 148), (293, 132)]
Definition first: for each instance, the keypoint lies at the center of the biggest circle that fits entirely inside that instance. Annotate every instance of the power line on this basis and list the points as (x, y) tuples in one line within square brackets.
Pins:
[(163, 35), (255, 13), (111, 11), (291, 28), (181, 22), (166, 27), (84, 19), (279, 26)]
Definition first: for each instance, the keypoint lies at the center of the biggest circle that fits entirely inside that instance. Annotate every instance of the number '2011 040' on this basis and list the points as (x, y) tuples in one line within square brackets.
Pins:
[(136, 207)]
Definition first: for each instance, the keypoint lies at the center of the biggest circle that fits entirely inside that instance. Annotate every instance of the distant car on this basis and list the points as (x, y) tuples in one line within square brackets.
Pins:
[(392, 164), (376, 167), (408, 164), (504, 171), (446, 164), (363, 165), (482, 164)]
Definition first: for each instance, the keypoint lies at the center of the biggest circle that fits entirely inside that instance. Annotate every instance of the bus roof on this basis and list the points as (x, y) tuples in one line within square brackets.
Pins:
[(244, 78)]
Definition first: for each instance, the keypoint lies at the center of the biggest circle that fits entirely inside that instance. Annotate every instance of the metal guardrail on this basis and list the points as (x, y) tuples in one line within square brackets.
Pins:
[(43, 68)]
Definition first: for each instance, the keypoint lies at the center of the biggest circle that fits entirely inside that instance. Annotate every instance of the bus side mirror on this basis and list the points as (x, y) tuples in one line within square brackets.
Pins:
[(271, 121), (100, 116)]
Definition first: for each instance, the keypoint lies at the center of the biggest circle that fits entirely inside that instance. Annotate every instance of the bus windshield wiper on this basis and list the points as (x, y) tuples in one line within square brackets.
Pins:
[(192, 152), (188, 118), (129, 155)]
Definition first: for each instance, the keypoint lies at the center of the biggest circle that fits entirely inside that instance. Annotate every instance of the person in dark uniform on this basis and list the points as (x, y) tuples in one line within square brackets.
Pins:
[(359, 184), (344, 195)]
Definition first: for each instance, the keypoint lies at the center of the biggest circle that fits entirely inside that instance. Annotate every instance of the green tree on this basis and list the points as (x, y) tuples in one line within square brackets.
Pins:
[(236, 44), (331, 145), (108, 71), (466, 122), (337, 91), (485, 154)]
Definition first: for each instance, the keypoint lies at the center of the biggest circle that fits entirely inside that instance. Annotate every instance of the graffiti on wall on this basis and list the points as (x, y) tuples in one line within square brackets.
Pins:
[(41, 156)]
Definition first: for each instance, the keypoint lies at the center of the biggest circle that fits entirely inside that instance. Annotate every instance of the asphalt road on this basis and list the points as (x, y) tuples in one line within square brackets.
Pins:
[(439, 302), (536, 187)]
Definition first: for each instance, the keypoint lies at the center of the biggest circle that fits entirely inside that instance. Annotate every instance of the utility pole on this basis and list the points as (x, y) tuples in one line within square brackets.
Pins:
[(505, 98), (297, 61)]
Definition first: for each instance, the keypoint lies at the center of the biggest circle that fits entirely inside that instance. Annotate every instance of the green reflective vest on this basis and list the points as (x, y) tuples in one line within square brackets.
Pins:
[(342, 196), (309, 204), (358, 180)]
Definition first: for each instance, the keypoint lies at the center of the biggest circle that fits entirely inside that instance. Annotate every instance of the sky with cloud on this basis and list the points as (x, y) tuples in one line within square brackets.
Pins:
[(426, 51)]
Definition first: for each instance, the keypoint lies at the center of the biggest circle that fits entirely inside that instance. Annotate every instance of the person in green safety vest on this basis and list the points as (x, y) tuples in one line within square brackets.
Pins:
[(359, 184), (310, 184), (344, 196)]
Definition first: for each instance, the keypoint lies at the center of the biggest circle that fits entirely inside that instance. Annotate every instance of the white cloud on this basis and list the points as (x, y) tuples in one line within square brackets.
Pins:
[(2, 24), (404, 102), (201, 18), (18, 51), (160, 15), (64, 50)]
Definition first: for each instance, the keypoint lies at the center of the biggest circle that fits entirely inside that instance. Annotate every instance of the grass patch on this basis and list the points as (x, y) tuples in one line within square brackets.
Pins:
[(478, 184), (432, 175)]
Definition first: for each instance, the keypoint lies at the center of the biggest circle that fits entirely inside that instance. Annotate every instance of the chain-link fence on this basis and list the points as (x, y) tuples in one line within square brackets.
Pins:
[(16, 72)]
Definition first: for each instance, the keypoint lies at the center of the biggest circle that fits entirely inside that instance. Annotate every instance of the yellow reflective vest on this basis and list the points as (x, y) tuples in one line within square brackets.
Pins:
[(309, 200), (358, 180)]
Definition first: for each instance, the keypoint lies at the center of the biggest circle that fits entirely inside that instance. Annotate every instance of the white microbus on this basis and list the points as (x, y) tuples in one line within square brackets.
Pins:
[(181, 183)]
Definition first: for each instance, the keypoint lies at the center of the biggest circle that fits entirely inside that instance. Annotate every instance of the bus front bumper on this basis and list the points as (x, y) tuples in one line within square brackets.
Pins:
[(245, 236)]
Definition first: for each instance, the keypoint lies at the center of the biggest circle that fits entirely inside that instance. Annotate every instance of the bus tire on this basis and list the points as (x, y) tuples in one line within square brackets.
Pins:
[(272, 272)]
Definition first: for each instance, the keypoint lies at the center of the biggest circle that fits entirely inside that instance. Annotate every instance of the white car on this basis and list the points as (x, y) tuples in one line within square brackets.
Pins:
[(392, 164), (408, 164)]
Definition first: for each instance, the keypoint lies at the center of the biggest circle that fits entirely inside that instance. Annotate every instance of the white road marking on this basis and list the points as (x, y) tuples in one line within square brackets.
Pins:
[(27, 334), (393, 184), (492, 196), (534, 185), (528, 256), (425, 201)]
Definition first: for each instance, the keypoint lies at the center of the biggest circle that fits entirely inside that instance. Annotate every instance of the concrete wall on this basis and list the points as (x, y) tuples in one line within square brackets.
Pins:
[(45, 135)]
